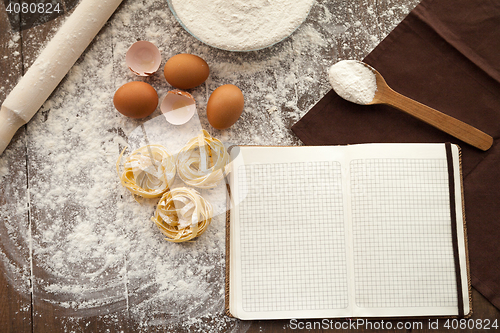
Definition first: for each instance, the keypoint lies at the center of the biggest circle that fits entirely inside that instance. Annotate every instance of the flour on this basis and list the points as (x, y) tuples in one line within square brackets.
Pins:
[(241, 25), (353, 81)]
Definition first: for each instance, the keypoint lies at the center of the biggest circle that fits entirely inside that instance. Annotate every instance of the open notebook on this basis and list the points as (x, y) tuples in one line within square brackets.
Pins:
[(371, 230)]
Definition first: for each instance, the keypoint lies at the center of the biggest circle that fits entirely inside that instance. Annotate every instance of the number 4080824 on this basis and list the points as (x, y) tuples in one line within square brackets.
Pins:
[(32, 8), (478, 324)]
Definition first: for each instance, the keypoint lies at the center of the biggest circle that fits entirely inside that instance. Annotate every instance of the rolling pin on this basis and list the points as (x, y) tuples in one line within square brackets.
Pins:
[(52, 65)]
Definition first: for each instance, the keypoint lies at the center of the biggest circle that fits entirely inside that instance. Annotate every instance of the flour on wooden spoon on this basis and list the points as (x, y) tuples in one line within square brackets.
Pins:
[(353, 81)]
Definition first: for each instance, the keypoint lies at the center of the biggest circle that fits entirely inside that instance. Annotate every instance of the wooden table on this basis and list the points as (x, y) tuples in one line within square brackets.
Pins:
[(28, 279)]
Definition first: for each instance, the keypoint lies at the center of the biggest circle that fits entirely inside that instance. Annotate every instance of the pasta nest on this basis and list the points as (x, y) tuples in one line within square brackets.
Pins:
[(182, 214), (148, 172), (201, 162)]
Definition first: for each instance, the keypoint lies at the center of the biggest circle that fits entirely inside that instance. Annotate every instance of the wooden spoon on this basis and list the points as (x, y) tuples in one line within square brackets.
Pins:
[(450, 125)]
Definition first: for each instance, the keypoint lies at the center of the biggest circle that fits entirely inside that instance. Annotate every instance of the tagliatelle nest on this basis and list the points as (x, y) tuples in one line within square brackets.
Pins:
[(148, 172), (182, 214), (201, 162)]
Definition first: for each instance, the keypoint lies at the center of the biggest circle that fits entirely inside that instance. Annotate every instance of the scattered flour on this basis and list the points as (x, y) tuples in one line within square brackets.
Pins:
[(78, 240), (353, 81), (241, 25)]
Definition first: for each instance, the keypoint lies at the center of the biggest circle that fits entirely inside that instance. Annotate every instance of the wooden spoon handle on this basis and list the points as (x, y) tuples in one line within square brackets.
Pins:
[(450, 125)]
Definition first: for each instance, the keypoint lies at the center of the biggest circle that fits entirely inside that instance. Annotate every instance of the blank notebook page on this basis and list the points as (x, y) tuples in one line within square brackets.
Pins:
[(403, 254), (292, 236)]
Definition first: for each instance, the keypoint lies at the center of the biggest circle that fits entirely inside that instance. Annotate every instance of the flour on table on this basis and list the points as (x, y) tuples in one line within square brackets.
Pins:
[(241, 25)]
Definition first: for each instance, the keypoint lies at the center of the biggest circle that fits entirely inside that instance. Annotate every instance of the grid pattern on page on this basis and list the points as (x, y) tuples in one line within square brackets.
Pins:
[(403, 254), (292, 237)]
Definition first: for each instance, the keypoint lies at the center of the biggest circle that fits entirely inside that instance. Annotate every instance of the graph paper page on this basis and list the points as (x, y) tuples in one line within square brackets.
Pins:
[(291, 248), (401, 232)]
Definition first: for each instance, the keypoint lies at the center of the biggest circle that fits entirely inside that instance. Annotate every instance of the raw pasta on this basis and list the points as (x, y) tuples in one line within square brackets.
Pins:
[(148, 172), (201, 162), (182, 214)]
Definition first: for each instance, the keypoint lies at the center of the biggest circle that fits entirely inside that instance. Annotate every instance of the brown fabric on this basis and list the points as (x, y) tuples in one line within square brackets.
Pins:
[(445, 54)]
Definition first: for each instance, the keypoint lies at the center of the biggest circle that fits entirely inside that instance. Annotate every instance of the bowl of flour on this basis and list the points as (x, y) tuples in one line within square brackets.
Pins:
[(240, 25)]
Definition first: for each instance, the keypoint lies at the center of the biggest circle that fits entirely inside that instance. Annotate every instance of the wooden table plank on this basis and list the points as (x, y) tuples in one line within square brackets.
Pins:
[(15, 295)]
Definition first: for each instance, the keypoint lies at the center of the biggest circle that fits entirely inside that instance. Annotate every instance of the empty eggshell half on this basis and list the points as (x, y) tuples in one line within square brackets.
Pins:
[(143, 58), (178, 107)]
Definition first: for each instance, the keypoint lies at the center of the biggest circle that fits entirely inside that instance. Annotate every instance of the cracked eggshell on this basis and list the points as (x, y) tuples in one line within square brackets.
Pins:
[(143, 58), (178, 107)]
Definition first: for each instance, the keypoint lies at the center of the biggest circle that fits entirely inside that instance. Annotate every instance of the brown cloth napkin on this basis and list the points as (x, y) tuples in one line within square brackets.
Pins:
[(445, 54)]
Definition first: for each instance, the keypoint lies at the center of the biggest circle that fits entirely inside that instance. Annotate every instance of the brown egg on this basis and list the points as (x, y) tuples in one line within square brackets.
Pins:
[(186, 71), (225, 106), (136, 99)]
